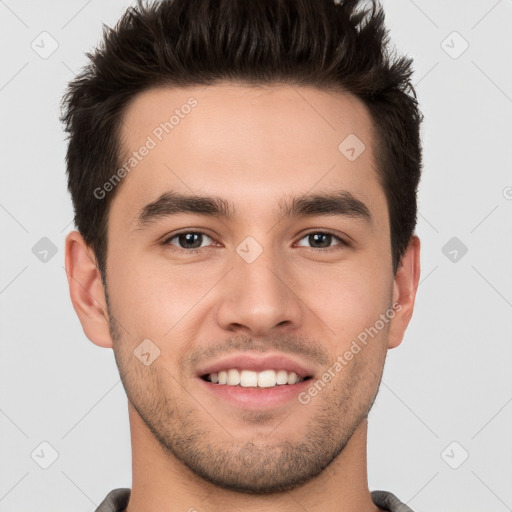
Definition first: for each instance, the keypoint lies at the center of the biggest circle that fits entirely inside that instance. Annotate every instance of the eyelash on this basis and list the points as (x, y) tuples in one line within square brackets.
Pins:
[(343, 243)]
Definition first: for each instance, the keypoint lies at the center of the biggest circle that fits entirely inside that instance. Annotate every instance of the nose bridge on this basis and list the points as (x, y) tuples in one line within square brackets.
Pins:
[(257, 294)]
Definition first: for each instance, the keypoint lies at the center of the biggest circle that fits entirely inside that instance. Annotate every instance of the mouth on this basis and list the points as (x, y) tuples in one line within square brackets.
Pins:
[(250, 391), (251, 369), (252, 379)]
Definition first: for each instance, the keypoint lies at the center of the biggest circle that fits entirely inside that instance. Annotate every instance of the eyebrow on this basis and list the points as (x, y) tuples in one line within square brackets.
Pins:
[(341, 203)]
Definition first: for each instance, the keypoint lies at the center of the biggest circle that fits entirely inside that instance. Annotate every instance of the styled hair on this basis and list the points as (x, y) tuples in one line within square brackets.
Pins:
[(327, 44)]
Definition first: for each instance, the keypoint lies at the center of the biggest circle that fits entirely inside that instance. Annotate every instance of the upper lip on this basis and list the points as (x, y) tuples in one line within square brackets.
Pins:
[(247, 361)]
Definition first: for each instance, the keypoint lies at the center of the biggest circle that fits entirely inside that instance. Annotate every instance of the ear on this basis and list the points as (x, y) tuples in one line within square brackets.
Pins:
[(404, 291), (86, 290)]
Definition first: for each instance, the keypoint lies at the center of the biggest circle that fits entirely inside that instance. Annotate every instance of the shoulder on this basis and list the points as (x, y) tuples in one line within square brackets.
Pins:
[(388, 501), (115, 501)]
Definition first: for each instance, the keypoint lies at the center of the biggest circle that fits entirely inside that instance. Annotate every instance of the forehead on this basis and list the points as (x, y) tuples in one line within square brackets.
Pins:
[(251, 145)]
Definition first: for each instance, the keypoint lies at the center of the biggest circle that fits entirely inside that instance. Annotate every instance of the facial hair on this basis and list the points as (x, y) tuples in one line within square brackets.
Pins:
[(268, 463)]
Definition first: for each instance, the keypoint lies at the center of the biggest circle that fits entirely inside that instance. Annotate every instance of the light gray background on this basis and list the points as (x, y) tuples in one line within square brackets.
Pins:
[(449, 381)]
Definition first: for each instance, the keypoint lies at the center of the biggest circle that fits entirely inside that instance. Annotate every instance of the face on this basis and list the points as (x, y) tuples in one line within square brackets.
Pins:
[(291, 258)]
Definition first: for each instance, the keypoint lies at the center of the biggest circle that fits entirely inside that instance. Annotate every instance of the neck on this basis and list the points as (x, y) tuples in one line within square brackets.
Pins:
[(161, 482)]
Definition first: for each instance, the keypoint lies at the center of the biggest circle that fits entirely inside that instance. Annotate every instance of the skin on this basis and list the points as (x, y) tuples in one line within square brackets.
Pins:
[(250, 145)]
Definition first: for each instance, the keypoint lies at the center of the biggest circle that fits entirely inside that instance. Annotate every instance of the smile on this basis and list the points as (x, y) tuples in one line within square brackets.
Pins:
[(249, 378)]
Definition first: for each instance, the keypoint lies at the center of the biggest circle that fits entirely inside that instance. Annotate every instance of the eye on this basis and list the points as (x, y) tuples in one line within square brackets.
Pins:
[(190, 241), (323, 239)]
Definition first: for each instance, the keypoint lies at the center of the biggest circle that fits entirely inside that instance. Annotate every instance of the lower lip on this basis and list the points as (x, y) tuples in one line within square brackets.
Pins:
[(257, 398)]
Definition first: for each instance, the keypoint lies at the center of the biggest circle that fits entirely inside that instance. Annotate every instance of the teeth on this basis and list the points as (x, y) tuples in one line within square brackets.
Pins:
[(282, 377), (249, 378), (292, 378), (267, 379), (233, 378)]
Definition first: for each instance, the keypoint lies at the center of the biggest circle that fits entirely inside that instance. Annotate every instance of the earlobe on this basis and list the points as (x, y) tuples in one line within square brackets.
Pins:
[(86, 290), (404, 291)]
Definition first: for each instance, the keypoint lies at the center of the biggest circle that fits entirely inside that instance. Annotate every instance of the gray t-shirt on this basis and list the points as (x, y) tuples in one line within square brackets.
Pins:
[(117, 500)]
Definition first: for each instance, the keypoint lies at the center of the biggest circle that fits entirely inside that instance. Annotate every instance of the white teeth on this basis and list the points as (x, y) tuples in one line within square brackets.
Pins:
[(249, 378), (282, 377), (267, 379), (292, 378), (233, 377)]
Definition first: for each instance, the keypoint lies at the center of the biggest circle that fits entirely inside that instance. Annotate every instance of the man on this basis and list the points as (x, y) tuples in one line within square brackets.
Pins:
[(244, 178)]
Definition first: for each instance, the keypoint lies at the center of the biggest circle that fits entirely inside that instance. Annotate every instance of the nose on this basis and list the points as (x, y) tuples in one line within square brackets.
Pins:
[(259, 297)]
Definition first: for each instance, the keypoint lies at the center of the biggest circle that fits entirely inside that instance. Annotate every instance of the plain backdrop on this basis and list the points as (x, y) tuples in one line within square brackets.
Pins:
[(440, 434)]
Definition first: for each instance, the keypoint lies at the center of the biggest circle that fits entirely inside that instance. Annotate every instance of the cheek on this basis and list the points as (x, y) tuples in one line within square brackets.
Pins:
[(154, 299), (348, 300)]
